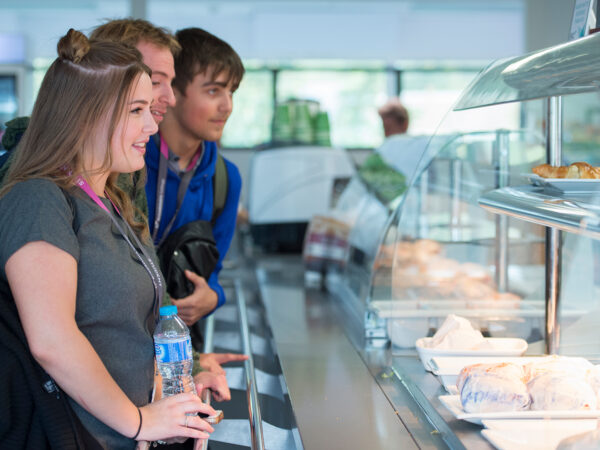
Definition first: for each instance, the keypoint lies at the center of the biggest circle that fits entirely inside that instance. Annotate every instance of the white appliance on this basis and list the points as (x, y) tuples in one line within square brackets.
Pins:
[(288, 186)]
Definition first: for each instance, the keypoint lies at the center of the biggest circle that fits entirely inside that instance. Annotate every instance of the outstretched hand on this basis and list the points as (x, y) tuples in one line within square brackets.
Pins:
[(212, 362)]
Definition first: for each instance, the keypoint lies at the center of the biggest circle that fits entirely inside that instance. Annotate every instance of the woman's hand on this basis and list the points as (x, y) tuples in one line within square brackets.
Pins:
[(167, 418)]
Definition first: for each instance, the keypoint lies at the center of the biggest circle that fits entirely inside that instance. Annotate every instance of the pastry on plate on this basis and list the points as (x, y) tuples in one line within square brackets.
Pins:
[(577, 170)]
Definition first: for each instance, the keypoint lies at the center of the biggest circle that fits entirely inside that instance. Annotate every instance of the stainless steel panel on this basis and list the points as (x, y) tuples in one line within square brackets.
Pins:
[(336, 400)]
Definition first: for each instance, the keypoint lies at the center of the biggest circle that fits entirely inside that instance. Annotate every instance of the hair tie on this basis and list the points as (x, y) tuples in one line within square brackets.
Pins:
[(140, 425)]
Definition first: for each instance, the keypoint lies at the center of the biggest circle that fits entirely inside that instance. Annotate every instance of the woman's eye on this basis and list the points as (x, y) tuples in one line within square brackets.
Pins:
[(136, 110)]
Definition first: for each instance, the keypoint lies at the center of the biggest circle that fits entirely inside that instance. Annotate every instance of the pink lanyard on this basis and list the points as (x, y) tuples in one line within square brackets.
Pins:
[(145, 259), (164, 150)]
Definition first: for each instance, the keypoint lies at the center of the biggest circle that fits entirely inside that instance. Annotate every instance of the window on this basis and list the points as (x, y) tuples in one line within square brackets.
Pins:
[(350, 98), (250, 122), (350, 93)]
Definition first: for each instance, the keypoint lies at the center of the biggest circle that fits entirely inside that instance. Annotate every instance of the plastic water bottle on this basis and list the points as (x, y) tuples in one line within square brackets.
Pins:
[(173, 348)]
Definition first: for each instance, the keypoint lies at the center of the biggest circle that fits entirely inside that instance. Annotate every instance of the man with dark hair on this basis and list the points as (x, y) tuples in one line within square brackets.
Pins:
[(182, 159)]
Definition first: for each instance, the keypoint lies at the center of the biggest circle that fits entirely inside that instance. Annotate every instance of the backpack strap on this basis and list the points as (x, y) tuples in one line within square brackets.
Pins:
[(220, 187)]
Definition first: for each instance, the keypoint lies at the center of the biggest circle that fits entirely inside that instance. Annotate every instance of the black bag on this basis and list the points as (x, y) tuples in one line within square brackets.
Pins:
[(193, 246), (36, 413), (190, 247)]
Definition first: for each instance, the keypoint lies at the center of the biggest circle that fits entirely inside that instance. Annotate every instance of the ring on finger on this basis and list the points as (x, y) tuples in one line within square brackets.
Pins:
[(186, 421)]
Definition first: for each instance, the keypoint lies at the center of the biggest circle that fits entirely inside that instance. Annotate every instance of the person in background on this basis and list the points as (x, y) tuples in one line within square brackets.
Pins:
[(394, 117), (79, 266), (390, 181), (208, 72)]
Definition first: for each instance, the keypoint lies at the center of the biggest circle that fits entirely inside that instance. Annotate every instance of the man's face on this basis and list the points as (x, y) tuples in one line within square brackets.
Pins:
[(160, 61), (206, 106)]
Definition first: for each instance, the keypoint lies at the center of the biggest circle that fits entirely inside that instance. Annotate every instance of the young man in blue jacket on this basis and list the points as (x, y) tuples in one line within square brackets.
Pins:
[(208, 72)]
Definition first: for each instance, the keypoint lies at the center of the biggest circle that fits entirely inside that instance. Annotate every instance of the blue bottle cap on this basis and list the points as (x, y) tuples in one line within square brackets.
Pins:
[(168, 310)]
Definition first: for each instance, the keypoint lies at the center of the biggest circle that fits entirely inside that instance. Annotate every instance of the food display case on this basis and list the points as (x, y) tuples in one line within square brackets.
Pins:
[(478, 235), (366, 207)]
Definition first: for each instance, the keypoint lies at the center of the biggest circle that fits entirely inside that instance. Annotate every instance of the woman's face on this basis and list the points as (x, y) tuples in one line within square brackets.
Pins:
[(136, 125)]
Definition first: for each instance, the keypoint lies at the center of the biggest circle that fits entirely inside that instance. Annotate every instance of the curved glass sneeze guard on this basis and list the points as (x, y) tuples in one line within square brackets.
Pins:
[(570, 68), (443, 253)]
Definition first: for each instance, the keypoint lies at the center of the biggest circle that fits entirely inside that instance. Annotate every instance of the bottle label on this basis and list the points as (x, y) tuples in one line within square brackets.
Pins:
[(173, 351)]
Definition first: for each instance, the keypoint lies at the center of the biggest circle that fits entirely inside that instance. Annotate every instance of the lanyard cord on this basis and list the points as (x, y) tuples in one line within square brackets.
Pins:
[(145, 259), (161, 187)]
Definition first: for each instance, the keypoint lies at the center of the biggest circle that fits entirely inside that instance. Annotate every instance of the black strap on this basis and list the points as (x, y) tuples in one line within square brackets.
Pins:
[(220, 188)]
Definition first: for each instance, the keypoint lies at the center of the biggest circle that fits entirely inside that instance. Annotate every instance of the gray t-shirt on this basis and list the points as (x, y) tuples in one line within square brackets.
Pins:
[(115, 294)]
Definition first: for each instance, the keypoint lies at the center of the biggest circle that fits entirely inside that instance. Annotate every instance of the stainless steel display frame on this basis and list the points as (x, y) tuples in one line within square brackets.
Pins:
[(565, 69)]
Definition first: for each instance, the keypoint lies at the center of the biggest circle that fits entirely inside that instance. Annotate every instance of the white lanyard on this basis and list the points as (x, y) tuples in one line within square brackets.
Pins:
[(161, 186)]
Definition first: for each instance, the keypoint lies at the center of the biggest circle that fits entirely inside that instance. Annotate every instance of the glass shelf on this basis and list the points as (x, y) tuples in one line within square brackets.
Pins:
[(577, 213)]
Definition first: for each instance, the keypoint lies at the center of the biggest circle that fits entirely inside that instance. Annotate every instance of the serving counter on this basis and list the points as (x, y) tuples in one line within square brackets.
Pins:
[(336, 392), (343, 395)]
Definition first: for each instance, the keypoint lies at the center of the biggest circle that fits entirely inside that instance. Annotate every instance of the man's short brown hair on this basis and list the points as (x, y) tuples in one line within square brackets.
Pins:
[(133, 31), (393, 108), (202, 52)]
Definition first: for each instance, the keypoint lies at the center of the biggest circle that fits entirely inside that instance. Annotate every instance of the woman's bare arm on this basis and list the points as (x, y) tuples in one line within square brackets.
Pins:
[(43, 280)]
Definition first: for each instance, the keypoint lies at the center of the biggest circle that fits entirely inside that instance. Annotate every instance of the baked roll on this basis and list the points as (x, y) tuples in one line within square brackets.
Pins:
[(577, 170)]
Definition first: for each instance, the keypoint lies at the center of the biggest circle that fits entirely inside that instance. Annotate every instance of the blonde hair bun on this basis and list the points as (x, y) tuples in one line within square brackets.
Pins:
[(73, 46)]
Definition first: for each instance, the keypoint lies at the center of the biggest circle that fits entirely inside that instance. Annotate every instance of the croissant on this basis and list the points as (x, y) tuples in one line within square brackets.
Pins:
[(548, 171), (580, 170)]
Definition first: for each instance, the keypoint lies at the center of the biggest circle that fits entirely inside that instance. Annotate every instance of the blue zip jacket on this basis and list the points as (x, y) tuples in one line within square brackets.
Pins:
[(197, 203)]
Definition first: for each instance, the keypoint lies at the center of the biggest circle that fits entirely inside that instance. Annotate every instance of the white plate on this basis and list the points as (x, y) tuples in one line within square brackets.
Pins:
[(541, 425), (452, 403), (533, 434), (572, 185), (500, 347)]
